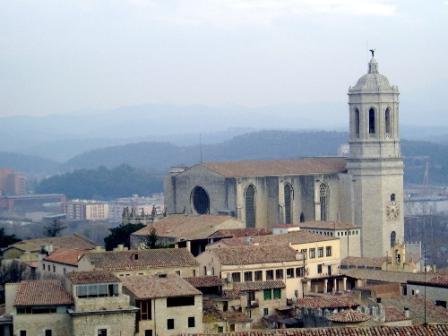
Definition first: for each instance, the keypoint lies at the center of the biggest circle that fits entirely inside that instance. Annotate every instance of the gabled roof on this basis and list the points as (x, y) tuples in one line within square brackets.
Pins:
[(349, 316), (258, 285), (416, 330), (254, 168), (74, 241), (189, 227), (255, 254), (245, 232), (155, 286), (42, 293), (295, 237), (327, 225), (65, 256), (92, 277), (141, 259), (326, 301), (372, 262)]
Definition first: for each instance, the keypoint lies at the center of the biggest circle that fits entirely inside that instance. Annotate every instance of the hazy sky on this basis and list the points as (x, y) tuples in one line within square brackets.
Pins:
[(63, 56)]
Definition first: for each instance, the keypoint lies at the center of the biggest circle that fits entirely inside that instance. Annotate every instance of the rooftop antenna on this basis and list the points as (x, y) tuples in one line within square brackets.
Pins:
[(201, 158)]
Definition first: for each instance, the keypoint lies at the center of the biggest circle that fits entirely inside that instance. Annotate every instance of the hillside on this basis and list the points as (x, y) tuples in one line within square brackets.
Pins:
[(29, 164)]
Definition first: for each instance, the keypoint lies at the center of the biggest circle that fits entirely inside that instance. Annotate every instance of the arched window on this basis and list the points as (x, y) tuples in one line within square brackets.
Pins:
[(250, 206), (392, 197), (302, 217), (289, 196), (393, 238), (324, 191), (201, 201), (356, 123), (387, 121), (371, 121)]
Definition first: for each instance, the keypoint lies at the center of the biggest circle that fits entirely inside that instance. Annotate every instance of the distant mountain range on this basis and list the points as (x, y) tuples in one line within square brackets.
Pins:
[(62, 137)]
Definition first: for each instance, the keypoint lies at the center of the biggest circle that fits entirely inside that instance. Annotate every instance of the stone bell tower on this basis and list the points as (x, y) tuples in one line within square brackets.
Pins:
[(375, 162)]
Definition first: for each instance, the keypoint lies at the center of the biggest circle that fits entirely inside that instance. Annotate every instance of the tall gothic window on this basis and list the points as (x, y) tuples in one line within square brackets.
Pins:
[(324, 191), (302, 217), (387, 121), (371, 121), (393, 238), (250, 206), (356, 123), (289, 196)]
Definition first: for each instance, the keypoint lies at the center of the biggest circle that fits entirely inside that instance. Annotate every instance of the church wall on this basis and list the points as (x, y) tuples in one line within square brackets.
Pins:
[(307, 202), (178, 190), (345, 201)]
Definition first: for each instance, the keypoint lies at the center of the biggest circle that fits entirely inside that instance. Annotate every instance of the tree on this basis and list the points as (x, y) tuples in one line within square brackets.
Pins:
[(54, 228), (6, 240), (121, 235), (151, 239)]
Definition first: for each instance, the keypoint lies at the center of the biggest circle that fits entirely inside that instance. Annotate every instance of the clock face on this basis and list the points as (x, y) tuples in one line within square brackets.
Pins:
[(392, 210)]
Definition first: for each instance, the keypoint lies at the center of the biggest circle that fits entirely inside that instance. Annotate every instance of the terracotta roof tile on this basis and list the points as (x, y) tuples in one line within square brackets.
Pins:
[(154, 286), (393, 314), (74, 241), (246, 232), (205, 281), (295, 237), (258, 285), (375, 262), (189, 227), (255, 254), (327, 225), (42, 293), (92, 277), (349, 316), (141, 259), (326, 301), (252, 168), (417, 330), (65, 256)]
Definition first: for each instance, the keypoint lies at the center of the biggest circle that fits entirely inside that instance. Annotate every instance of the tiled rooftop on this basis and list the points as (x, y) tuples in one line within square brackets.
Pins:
[(255, 254), (189, 227), (295, 237), (393, 314), (258, 285), (92, 277), (141, 259), (246, 232), (42, 293), (349, 316), (326, 301), (253, 168), (154, 286), (327, 225), (205, 281), (65, 256), (419, 330), (74, 241), (366, 262)]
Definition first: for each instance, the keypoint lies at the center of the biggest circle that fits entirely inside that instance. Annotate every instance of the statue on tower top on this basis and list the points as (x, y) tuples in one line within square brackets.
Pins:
[(373, 52)]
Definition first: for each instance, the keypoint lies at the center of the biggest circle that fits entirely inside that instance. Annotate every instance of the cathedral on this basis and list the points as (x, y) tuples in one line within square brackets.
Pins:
[(365, 188)]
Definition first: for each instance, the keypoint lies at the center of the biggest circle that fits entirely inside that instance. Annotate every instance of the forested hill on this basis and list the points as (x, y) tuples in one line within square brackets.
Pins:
[(151, 161)]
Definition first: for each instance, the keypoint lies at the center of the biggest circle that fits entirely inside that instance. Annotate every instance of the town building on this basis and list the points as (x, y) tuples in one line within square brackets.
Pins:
[(257, 266), (168, 305), (60, 262), (190, 231), (142, 262), (89, 210), (12, 182), (139, 203), (100, 307), (39, 308), (434, 289), (365, 188)]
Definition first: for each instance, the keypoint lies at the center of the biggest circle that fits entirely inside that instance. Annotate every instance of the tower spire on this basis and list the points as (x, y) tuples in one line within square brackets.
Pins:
[(373, 64)]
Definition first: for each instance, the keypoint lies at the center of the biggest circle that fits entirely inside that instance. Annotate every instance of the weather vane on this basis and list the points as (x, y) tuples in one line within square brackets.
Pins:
[(373, 52)]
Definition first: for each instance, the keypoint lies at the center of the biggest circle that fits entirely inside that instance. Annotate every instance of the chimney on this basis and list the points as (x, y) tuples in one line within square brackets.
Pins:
[(407, 312)]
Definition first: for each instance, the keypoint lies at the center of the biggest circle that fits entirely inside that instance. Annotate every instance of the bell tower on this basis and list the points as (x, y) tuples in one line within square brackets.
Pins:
[(375, 162)]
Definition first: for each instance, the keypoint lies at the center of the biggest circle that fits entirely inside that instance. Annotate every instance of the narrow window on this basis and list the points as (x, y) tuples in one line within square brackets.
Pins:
[(102, 332), (323, 202), (270, 275), (302, 217), (279, 274), (328, 251), (22, 333), (357, 123), (265, 311), (191, 322), (320, 252), (258, 276), (371, 121), (319, 269), (267, 294), (170, 324), (277, 293), (393, 238), (247, 276), (387, 121), (289, 196), (392, 197), (250, 207)]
